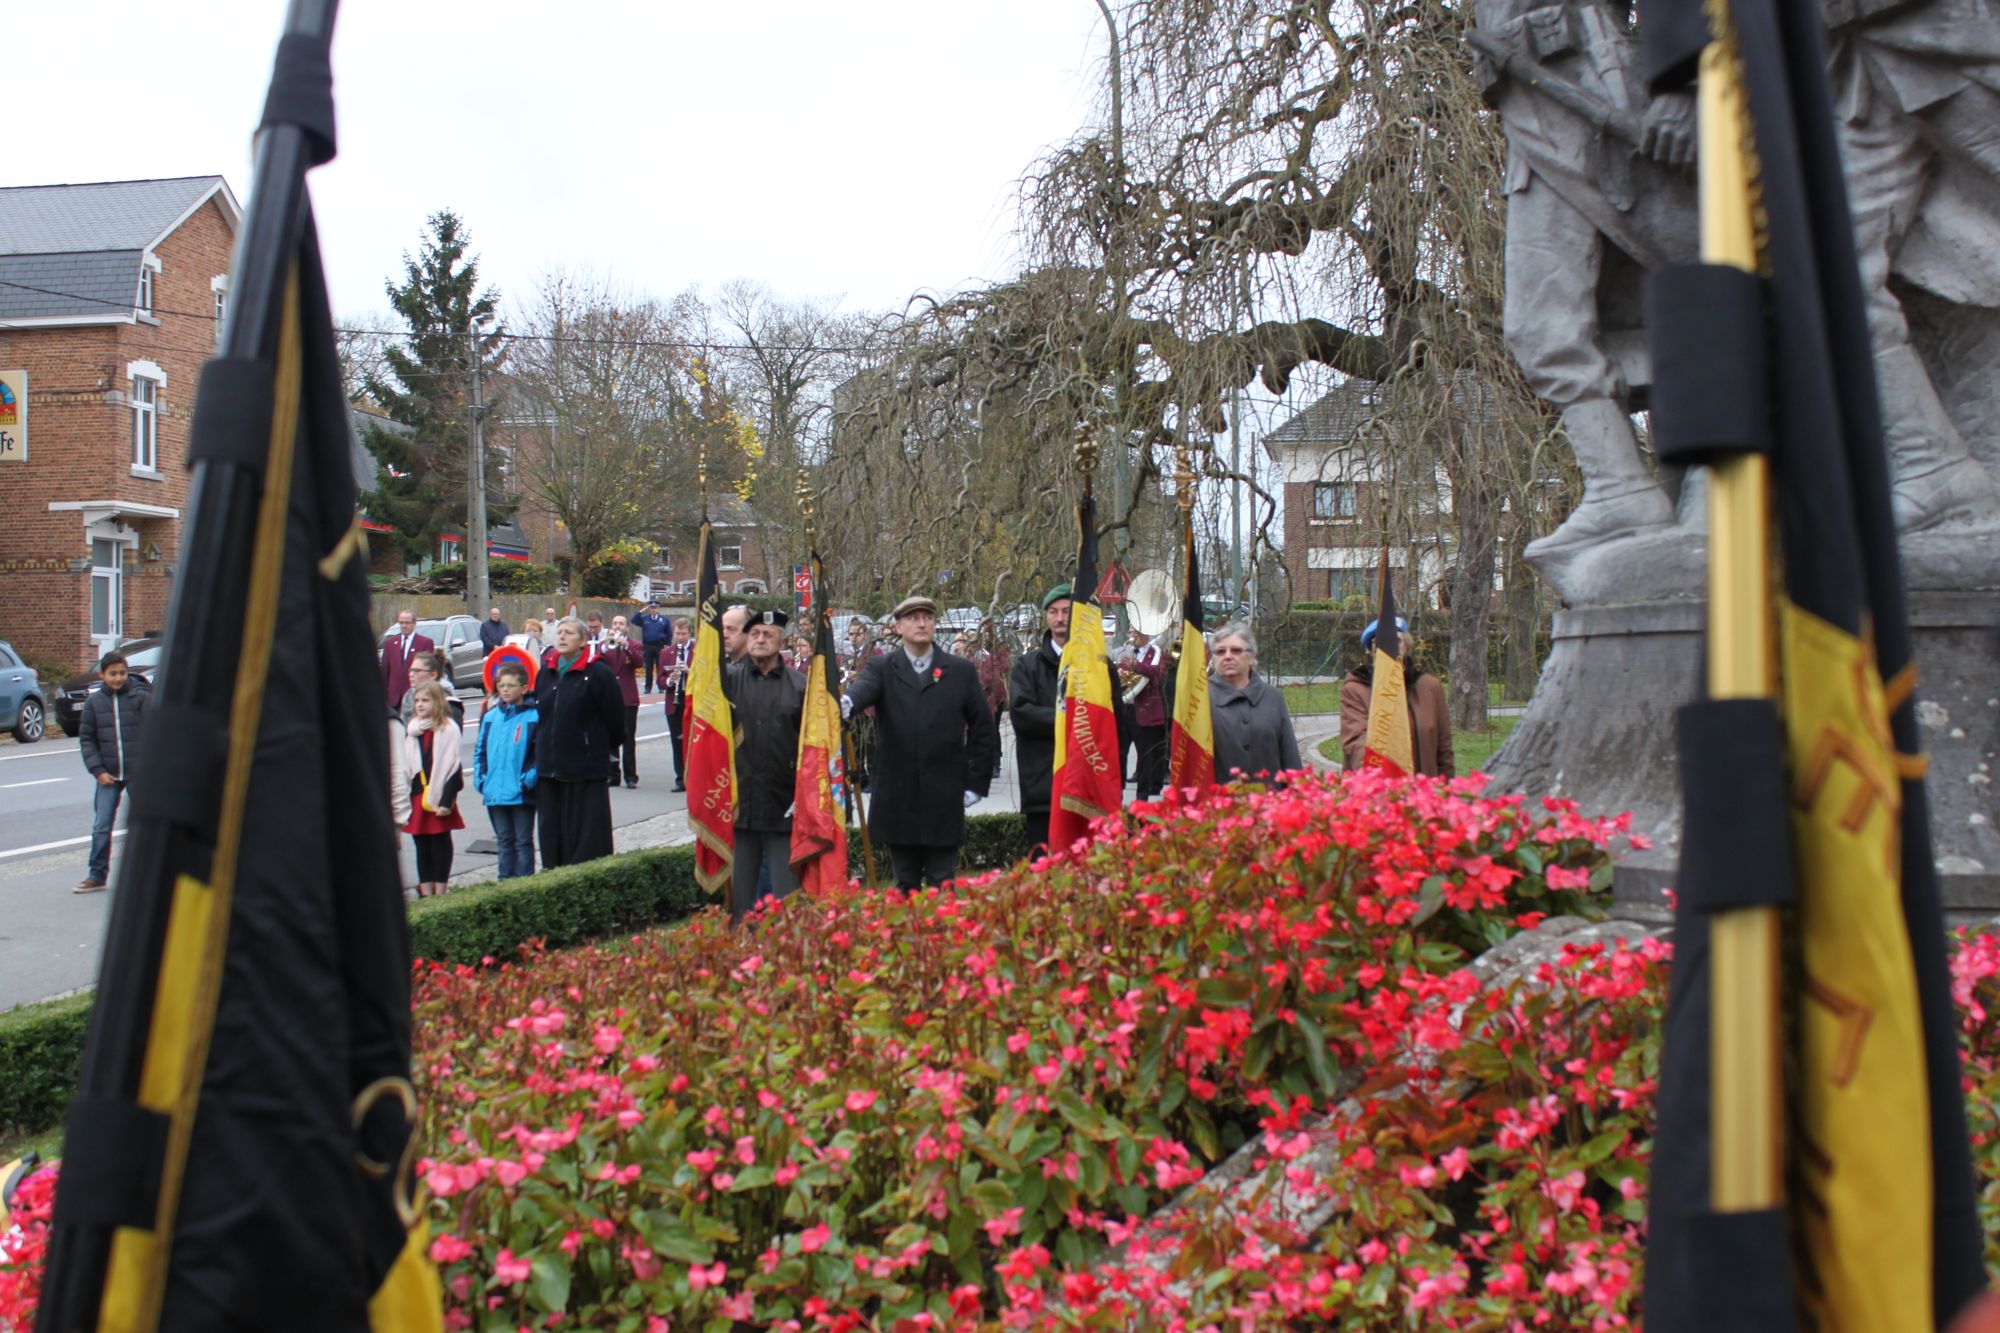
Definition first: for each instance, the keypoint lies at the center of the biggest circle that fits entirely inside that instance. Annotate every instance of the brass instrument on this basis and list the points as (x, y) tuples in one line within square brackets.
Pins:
[(1149, 608)]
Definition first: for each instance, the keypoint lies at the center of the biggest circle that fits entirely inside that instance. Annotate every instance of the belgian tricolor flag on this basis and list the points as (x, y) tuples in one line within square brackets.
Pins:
[(1087, 782), (240, 1150), (1388, 743), (710, 733), (1811, 1167), (819, 824), (1191, 732)]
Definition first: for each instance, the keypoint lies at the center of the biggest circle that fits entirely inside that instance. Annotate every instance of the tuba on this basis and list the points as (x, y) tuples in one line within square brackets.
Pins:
[(1149, 608)]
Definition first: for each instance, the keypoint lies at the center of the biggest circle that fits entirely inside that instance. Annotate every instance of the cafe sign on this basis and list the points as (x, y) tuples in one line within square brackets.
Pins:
[(13, 416)]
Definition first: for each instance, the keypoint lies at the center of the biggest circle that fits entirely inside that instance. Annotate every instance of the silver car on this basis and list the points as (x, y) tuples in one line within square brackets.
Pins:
[(457, 640)]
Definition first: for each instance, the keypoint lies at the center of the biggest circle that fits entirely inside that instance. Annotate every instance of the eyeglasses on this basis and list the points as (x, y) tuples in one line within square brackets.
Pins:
[(1230, 652)]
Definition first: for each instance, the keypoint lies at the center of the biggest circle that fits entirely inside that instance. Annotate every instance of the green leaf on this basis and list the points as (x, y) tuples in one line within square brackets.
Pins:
[(1224, 992), (1083, 1117), (548, 1283), (1202, 1130), (751, 1178), (993, 1197), (1430, 899), (1325, 1070), (964, 1239), (1602, 1146), (1175, 1094), (1257, 1053)]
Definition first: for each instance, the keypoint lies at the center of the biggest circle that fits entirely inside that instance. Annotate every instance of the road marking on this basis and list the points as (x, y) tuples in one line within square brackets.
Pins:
[(38, 754), (38, 782), (52, 846)]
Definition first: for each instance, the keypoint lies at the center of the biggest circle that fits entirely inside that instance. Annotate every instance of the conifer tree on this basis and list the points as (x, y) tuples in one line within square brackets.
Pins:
[(425, 385)]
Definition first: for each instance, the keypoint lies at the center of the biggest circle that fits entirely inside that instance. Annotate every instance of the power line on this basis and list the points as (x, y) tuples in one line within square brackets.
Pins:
[(677, 344)]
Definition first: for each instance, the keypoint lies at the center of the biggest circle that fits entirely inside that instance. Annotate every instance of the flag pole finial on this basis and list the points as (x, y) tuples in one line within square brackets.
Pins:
[(1086, 456)]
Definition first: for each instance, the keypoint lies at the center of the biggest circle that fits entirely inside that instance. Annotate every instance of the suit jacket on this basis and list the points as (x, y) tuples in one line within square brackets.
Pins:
[(934, 741), (396, 655)]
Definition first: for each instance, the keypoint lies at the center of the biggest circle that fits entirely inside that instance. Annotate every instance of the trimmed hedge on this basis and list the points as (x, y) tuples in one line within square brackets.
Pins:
[(41, 1045)]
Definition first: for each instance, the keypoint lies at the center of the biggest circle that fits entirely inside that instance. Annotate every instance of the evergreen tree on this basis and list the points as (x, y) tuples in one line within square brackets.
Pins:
[(425, 386)]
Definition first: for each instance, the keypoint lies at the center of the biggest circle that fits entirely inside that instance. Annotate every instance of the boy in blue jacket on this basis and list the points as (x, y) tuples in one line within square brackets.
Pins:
[(503, 770)]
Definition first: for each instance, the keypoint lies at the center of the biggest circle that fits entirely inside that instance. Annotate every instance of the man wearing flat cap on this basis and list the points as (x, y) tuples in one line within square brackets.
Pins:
[(934, 747), (767, 698)]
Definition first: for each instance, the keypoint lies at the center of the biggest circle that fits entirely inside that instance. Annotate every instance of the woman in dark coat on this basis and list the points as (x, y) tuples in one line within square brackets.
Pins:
[(582, 716), (1253, 729), (933, 753)]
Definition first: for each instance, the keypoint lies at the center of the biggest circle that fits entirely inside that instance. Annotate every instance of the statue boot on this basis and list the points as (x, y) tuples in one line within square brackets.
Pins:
[(1935, 480), (1620, 496)]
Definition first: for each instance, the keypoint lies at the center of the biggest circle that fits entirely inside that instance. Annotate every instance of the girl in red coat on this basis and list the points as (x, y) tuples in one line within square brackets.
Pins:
[(430, 757)]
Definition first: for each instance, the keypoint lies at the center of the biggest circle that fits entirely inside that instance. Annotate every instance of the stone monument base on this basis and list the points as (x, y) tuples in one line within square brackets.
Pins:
[(1600, 729)]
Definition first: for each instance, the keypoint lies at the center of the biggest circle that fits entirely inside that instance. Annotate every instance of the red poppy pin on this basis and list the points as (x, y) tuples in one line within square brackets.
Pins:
[(937, 673)]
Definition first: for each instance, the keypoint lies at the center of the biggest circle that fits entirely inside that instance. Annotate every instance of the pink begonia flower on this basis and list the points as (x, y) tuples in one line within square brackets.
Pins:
[(704, 1160), (1561, 878), (746, 1151), (722, 1180), (658, 1324), (861, 1099), (701, 1279), (509, 1173), (1455, 1163), (449, 1249), (511, 1271), (740, 1306), (813, 1239)]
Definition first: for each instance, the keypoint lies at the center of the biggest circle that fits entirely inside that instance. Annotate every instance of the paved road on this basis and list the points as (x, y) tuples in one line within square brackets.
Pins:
[(49, 936)]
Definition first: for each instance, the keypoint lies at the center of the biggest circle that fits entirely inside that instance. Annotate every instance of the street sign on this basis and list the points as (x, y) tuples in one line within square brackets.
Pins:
[(802, 592), (1111, 588), (13, 416)]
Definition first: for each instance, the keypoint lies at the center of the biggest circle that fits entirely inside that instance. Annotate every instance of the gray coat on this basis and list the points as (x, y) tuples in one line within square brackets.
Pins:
[(1253, 730)]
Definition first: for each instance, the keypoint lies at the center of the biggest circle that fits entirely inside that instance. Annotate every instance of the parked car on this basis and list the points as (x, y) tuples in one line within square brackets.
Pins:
[(23, 707), (457, 640), (143, 656)]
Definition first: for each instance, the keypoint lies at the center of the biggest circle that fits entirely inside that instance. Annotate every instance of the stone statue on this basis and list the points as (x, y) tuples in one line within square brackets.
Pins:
[(1914, 88), (1598, 188)]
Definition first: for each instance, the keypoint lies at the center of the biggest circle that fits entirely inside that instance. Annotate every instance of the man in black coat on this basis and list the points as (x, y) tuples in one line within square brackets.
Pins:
[(1033, 698), (934, 747), (582, 717), (768, 699)]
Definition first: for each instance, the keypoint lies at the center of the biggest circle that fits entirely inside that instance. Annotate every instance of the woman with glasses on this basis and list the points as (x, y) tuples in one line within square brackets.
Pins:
[(1253, 730)]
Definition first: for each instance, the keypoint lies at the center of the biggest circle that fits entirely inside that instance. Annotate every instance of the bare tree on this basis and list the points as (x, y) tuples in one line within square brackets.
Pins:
[(604, 392)]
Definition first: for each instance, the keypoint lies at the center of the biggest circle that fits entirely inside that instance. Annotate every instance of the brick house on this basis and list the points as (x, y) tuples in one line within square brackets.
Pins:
[(745, 560), (1335, 488), (110, 295)]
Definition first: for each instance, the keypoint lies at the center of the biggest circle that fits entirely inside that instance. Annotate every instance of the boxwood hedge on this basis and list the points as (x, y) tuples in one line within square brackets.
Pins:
[(41, 1045)]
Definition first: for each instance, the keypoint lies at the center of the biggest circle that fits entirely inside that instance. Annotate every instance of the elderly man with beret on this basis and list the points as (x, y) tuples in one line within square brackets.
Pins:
[(768, 700), (934, 747)]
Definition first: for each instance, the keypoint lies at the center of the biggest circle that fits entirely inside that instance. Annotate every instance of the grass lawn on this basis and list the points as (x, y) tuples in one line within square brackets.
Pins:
[(48, 1144), (1324, 697), (1474, 749)]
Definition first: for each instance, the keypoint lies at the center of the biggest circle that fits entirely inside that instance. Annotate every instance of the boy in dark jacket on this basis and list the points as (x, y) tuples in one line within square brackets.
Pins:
[(114, 716), (503, 770)]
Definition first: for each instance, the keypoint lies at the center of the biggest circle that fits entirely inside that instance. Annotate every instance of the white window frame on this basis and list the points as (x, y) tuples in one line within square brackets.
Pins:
[(1338, 490), (149, 266), (751, 587), (722, 559), (219, 285), (145, 415)]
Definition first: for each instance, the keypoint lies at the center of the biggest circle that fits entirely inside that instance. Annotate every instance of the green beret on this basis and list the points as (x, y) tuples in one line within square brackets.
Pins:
[(1055, 594)]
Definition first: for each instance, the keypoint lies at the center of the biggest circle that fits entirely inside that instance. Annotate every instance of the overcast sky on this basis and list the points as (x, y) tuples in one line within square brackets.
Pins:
[(860, 149)]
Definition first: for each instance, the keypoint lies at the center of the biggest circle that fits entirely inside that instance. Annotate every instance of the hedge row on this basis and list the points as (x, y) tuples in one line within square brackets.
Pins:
[(41, 1045)]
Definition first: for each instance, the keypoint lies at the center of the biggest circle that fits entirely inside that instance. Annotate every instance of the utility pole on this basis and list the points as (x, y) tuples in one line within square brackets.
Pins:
[(1121, 504), (478, 589)]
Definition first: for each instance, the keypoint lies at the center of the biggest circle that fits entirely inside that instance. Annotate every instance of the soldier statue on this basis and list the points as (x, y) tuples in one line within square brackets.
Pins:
[(1598, 188)]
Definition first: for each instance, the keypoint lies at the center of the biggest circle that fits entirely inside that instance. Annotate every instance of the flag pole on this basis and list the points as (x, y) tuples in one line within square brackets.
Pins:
[(1746, 1106), (850, 795)]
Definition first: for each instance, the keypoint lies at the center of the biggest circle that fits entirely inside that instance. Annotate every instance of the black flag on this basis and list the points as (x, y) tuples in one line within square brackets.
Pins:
[(1811, 1167), (239, 1154)]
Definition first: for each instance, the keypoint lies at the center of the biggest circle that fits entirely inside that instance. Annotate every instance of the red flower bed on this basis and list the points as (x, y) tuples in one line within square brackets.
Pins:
[(938, 1111)]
